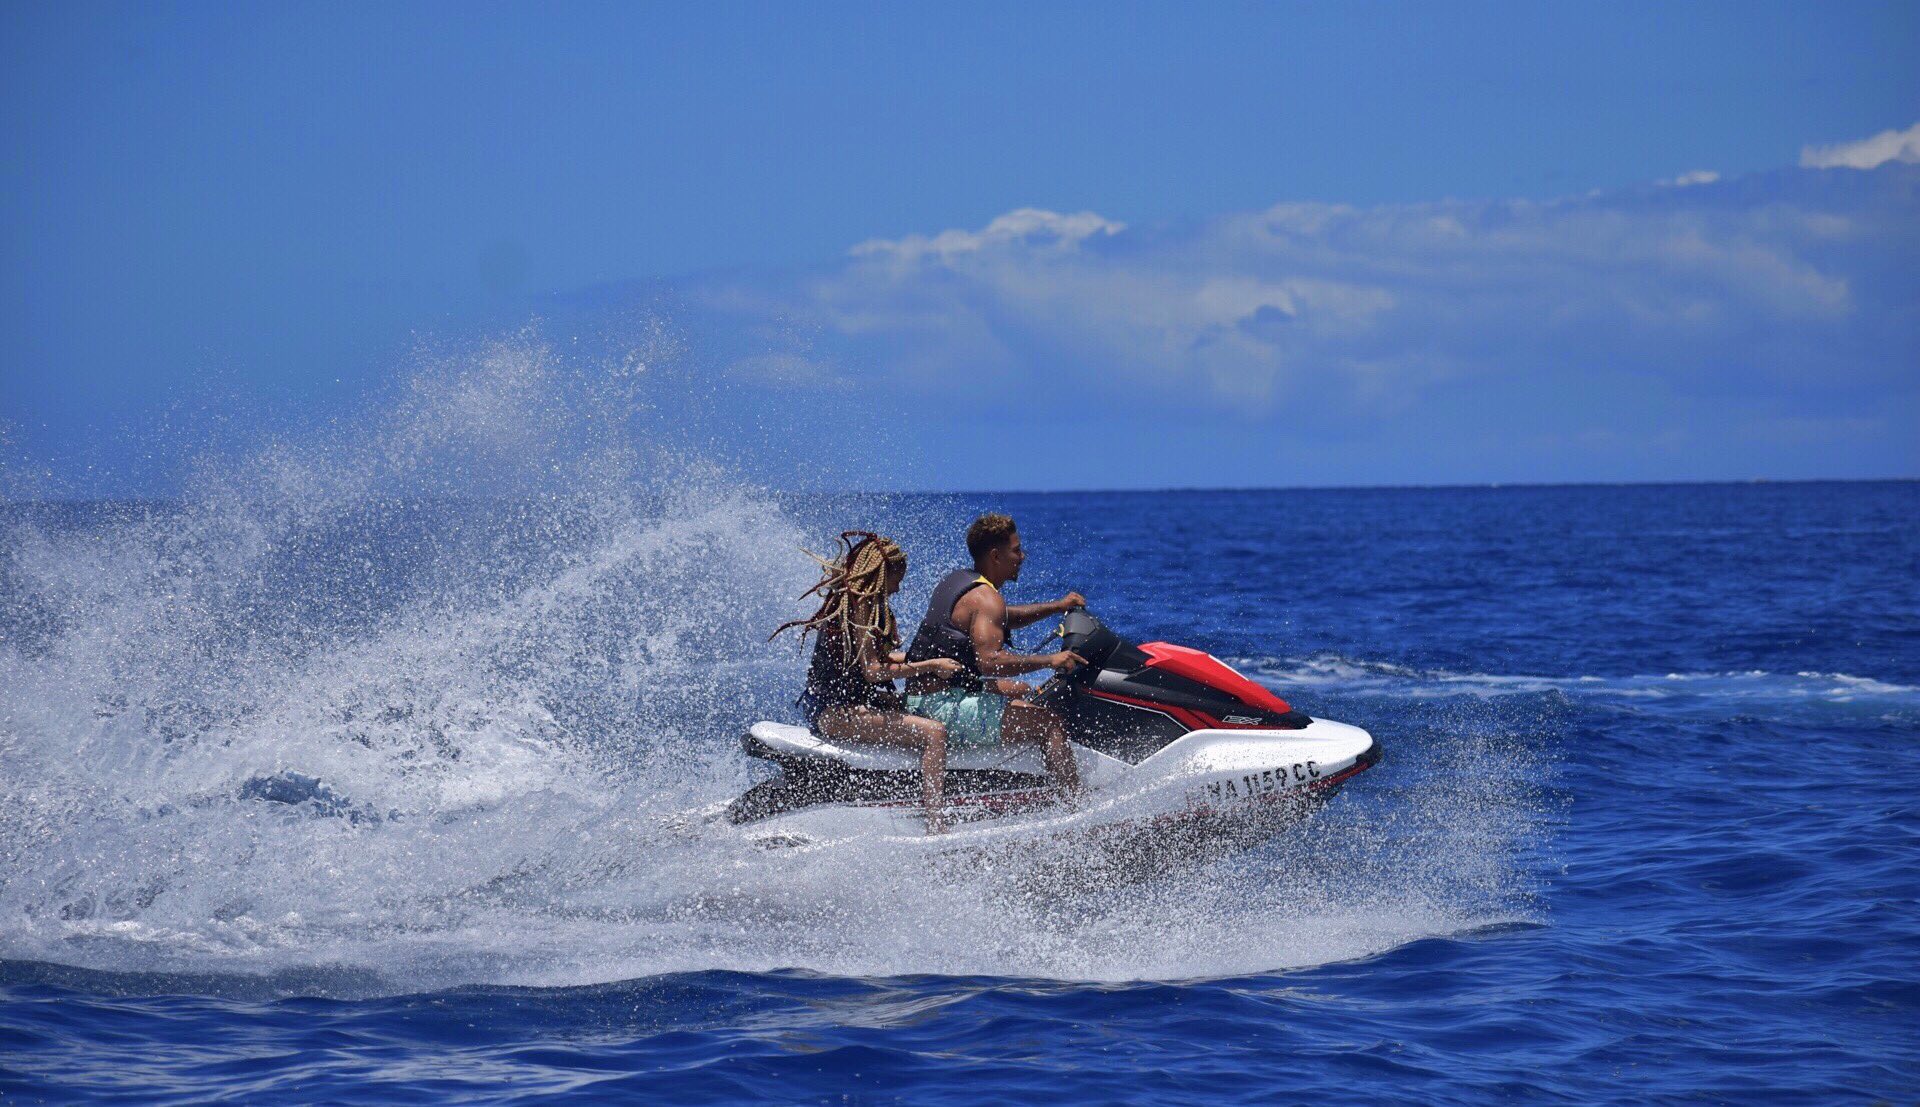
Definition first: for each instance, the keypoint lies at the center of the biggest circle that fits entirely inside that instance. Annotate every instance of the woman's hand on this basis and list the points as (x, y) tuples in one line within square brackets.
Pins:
[(938, 666)]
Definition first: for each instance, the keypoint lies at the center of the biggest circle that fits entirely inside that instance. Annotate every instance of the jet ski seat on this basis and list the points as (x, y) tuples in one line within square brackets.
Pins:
[(784, 742)]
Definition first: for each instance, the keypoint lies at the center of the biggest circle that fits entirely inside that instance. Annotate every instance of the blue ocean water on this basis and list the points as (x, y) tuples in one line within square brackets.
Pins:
[(1645, 830)]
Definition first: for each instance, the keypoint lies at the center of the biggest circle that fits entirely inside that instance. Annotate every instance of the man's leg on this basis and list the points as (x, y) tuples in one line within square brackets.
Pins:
[(1027, 724)]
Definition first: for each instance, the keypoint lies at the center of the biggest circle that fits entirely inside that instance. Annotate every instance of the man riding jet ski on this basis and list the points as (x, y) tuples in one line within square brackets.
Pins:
[(968, 621), (1137, 738)]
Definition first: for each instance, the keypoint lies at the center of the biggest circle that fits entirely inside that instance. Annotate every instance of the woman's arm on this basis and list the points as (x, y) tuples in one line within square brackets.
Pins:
[(879, 669)]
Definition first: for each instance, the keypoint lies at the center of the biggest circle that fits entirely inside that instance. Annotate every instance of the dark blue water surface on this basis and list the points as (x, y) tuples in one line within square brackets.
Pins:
[(1646, 830)]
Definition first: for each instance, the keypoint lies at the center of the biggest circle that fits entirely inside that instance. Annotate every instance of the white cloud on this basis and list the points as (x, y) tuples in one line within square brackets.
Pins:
[(1766, 282), (1691, 177), (1867, 153), (1031, 228)]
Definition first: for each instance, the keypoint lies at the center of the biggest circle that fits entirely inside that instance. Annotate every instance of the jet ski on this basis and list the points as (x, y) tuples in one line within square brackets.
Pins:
[(1171, 744)]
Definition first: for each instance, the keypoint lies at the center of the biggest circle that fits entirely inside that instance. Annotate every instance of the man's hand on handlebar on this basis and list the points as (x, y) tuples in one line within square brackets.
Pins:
[(1065, 661), (1071, 601)]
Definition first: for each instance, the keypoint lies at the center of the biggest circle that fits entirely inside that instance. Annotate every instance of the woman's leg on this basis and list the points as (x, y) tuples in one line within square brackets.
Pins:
[(1027, 724), (895, 728)]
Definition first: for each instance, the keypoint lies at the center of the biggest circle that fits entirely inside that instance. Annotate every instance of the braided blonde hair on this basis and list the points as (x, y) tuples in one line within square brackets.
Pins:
[(853, 591)]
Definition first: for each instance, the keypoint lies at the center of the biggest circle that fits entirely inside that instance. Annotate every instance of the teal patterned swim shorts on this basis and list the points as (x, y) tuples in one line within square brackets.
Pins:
[(971, 718)]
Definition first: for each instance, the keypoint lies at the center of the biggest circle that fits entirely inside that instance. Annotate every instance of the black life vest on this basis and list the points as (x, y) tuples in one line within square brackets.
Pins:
[(939, 637)]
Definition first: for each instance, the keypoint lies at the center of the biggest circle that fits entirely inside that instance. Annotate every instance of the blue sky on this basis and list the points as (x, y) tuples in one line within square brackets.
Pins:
[(989, 246)]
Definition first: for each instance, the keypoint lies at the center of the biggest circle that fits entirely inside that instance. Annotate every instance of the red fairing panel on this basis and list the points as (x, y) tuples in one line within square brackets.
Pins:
[(1203, 667)]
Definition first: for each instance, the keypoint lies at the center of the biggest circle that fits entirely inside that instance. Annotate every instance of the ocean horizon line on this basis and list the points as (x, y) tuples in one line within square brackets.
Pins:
[(1462, 486)]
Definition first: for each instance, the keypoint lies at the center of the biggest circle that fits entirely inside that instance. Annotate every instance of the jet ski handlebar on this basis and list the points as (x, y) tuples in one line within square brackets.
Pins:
[(1082, 632)]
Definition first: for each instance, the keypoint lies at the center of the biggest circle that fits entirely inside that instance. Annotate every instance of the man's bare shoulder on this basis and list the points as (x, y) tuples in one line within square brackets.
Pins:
[(984, 600)]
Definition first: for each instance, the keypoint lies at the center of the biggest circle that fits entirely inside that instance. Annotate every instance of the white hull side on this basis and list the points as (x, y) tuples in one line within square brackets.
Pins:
[(1228, 778)]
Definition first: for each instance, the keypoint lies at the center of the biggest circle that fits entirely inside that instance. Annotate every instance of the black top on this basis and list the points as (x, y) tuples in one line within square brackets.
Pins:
[(835, 679)]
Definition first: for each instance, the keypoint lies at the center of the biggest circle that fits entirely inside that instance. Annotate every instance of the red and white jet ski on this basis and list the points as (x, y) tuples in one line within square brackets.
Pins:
[(1169, 741)]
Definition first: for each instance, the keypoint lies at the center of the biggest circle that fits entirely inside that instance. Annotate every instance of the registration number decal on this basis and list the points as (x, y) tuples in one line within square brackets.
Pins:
[(1263, 783)]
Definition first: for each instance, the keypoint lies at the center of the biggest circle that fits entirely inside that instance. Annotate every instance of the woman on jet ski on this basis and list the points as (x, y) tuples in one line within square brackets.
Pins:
[(856, 658)]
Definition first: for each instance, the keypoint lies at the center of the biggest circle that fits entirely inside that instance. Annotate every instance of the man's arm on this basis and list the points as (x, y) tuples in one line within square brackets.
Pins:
[(981, 611), (1019, 615)]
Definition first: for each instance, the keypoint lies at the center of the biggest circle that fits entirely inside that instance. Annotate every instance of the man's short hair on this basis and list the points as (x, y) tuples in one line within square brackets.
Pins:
[(989, 532)]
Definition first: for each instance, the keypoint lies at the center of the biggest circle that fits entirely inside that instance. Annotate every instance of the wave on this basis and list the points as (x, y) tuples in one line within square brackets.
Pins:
[(1360, 677), (426, 703)]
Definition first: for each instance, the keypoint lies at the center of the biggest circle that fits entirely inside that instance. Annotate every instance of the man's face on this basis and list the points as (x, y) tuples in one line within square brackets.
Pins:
[(1011, 555)]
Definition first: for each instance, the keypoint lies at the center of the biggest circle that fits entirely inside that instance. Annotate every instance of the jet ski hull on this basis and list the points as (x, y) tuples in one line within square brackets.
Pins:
[(1235, 786)]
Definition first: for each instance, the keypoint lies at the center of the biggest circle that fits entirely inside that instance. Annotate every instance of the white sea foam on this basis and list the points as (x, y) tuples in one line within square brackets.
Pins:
[(497, 752), (1361, 677)]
